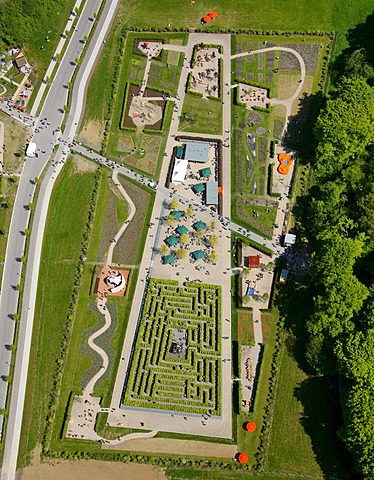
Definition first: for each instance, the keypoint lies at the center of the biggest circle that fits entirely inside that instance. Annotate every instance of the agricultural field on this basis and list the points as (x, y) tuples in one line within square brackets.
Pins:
[(176, 362)]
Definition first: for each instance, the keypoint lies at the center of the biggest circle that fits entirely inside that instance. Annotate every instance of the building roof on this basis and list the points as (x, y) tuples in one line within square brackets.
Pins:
[(181, 229), (20, 62), (198, 254), (196, 151), (253, 261), (168, 259), (199, 225), (205, 172), (171, 241), (289, 239), (179, 171), (177, 214), (211, 193)]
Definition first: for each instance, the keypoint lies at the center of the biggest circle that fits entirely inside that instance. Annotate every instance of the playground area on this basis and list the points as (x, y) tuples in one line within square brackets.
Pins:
[(205, 75), (112, 282), (285, 163), (143, 112), (253, 96)]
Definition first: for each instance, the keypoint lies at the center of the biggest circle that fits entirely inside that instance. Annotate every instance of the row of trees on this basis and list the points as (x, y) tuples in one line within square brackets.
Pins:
[(339, 221)]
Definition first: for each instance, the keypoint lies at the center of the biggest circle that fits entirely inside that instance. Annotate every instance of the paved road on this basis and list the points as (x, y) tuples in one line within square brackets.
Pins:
[(46, 136)]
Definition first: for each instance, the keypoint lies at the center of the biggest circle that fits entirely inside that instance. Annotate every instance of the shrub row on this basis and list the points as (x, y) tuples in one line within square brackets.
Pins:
[(172, 462), (114, 91), (60, 363), (270, 400)]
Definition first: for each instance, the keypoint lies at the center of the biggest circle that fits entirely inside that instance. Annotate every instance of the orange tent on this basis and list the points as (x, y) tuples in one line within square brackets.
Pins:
[(243, 458), (212, 15), (250, 426), (206, 19)]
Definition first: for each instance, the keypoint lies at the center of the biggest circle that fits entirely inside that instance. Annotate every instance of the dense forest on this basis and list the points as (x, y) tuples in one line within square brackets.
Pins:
[(21, 20), (338, 220)]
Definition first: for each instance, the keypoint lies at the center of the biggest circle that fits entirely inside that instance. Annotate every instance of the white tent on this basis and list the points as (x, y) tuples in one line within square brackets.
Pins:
[(289, 239), (179, 171)]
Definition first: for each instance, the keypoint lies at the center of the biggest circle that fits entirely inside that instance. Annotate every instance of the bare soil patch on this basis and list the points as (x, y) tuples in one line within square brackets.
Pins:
[(178, 447), (16, 135), (92, 134), (91, 470), (82, 165), (287, 85)]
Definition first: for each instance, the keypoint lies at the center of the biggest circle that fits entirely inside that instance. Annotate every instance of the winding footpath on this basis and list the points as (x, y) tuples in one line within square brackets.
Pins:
[(288, 102), (92, 407)]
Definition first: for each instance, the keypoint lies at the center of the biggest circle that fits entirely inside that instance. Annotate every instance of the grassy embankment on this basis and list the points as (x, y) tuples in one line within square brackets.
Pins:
[(58, 270)]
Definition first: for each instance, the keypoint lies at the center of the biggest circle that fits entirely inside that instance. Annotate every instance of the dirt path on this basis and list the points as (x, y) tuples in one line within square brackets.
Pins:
[(177, 447), (91, 470)]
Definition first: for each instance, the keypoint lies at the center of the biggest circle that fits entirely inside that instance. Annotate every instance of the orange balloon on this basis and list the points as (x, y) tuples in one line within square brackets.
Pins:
[(243, 458), (250, 426)]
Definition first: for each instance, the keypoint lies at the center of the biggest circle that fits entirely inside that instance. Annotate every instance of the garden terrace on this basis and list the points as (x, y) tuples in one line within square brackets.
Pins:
[(162, 380)]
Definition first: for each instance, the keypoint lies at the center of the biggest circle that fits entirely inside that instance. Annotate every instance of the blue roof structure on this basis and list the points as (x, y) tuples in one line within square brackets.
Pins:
[(196, 151)]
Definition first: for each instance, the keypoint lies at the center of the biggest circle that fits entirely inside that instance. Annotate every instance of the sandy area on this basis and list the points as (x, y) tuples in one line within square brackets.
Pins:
[(91, 470), (92, 134), (178, 447)]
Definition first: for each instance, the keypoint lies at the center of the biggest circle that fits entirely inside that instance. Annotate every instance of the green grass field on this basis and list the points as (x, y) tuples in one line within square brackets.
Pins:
[(207, 115), (324, 15), (60, 254)]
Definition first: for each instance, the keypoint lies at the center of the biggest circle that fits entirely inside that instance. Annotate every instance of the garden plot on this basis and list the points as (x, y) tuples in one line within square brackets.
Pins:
[(158, 378), (310, 54)]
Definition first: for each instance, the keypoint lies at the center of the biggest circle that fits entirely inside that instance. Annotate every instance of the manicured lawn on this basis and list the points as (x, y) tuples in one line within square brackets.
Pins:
[(207, 114), (60, 254), (323, 15), (266, 214), (245, 327)]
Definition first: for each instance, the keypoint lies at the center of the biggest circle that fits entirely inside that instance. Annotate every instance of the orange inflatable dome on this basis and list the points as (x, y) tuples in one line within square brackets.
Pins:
[(285, 161), (243, 458), (250, 426)]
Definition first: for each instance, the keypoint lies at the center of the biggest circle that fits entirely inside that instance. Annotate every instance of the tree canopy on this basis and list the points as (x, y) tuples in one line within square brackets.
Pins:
[(340, 226)]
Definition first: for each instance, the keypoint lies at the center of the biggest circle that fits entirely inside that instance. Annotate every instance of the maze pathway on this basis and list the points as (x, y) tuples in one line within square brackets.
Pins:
[(176, 361)]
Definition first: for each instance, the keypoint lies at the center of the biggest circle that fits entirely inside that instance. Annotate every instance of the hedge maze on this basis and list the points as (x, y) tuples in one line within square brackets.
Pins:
[(171, 376)]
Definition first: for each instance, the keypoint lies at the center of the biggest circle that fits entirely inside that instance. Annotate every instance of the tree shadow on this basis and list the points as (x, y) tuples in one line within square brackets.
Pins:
[(321, 419), (299, 135), (361, 36)]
